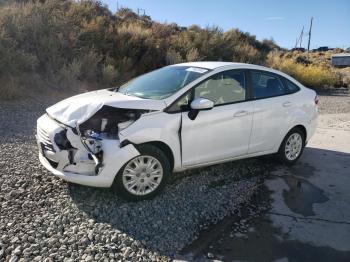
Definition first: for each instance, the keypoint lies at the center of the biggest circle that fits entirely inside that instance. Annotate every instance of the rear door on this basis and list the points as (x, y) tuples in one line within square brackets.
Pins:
[(224, 131), (272, 105)]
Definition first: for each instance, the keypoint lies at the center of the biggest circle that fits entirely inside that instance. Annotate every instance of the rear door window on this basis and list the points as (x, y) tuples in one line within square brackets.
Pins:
[(290, 86), (266, 84)]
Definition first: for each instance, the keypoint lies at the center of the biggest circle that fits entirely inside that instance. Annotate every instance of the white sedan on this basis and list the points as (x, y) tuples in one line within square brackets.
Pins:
[(175, 118)]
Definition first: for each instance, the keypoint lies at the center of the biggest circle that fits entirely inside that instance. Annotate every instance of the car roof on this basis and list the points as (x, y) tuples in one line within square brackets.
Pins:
[(215, 65), (231, 65)]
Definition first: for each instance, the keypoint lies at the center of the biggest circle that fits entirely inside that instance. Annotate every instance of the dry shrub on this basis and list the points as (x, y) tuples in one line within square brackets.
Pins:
[(89, 65), (309, 75), (69, 44), (173, 57), (68, 75), (109, 75), (192, 55), (10, 88), (135, 31), (246, 54)]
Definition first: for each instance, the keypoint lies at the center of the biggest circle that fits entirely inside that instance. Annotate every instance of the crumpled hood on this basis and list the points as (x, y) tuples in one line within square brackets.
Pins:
[(77, 109)]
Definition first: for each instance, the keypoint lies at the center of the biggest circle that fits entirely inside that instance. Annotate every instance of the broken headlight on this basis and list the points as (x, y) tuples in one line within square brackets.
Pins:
[(61, 140)]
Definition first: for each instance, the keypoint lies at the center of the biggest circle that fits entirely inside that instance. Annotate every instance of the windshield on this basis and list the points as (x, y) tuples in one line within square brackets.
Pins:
[(161, 83)]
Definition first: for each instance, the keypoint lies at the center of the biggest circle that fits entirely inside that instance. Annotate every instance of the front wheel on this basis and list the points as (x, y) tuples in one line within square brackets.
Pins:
[(292, 146), (143, 176)]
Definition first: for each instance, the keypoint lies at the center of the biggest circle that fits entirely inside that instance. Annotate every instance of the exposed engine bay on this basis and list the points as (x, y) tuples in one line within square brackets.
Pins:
[(80, 149), (108, 121)]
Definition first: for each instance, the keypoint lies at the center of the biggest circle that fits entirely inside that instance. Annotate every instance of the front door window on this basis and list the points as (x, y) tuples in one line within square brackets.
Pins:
[(223, 88)]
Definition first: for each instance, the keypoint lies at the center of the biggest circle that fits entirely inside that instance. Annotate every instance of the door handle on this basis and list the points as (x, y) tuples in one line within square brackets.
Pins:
[(287, 104), (241, 113)]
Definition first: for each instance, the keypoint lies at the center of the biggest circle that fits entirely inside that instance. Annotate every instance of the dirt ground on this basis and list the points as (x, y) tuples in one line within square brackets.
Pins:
[(308, 212)]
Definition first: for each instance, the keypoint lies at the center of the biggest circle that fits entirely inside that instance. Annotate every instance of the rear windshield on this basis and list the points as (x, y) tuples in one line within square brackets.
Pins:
[(161, 83)]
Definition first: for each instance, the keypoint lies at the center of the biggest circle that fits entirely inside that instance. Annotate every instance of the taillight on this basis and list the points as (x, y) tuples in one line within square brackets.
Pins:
[(317, 99)]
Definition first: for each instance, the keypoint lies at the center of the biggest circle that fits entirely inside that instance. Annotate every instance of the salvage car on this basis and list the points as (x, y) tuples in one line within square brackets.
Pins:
[(183, 116)]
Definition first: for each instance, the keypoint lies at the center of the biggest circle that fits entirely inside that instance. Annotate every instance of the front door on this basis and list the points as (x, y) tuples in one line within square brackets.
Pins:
[(224, 131)]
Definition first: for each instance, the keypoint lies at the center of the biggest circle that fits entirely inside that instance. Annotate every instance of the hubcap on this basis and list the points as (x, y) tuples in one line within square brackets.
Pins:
[(142, 175), (293, 147)]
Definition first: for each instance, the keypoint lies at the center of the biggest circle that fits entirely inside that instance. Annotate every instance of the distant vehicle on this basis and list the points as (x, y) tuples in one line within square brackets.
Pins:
[(175, 118), (322, 49), (300, 49)]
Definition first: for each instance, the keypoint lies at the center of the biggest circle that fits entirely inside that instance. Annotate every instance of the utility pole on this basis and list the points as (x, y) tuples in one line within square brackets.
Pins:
[(308, 45), (299, 40), (301, 37), (139, 10)]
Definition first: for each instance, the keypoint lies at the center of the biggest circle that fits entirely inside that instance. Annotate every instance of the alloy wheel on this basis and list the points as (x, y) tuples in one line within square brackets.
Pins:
[(142, 175), (293, 146)]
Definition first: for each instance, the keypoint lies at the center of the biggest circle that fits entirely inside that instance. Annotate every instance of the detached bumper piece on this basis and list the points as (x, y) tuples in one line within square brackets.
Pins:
[(91, 161)]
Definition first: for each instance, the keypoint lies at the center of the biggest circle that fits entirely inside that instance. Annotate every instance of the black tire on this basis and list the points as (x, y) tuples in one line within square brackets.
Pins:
[(281, 155), (148, 150)]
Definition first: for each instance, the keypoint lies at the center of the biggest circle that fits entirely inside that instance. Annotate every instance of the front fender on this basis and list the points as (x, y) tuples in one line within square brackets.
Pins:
[(160, 126)]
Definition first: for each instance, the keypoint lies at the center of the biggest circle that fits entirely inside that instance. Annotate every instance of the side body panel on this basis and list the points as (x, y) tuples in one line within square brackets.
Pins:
[(220, 133), (274, 117), (270, 120)]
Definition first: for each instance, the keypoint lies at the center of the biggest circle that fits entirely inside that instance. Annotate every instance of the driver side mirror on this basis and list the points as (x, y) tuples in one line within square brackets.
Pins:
[(199, 104), (202, 104)]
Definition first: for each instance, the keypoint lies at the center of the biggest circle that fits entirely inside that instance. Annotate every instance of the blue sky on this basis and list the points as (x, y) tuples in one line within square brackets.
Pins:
[(281, 20)]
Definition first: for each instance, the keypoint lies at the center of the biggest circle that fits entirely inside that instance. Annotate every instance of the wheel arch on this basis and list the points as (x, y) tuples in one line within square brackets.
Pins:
[(164, 147), (281, 153), (302, 128)]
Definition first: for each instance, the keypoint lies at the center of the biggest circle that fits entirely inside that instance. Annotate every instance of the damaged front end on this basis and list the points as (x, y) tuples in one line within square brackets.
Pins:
[(87, 153)]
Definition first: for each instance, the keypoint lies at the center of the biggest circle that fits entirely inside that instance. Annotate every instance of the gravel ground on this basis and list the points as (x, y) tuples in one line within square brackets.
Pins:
[(45, 219), (334, 104), (222, 237)]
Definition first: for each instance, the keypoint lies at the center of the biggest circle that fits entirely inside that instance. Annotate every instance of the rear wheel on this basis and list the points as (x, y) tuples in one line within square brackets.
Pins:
[(143, 176), (292, 146)]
